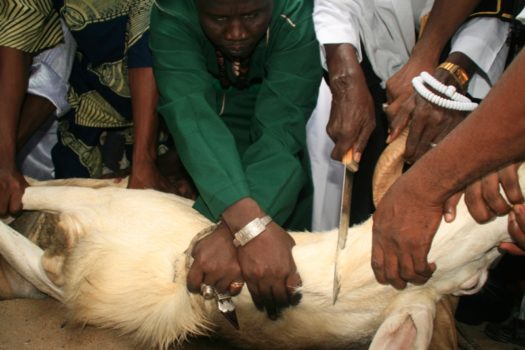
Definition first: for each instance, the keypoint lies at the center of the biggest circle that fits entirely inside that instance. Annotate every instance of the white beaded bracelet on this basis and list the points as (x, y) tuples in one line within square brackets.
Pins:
[(251, 230), (447, 90), (455, 103)]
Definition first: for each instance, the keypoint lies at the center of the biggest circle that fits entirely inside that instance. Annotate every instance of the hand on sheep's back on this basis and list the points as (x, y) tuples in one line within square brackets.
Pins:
[(405, 223), (269, 270), (215, 262)]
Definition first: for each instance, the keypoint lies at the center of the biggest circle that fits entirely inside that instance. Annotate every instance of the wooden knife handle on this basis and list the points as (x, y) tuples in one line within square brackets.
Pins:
[(349, 162)]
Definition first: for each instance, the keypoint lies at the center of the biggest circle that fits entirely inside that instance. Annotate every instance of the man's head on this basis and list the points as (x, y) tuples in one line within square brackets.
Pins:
[(235, 26)]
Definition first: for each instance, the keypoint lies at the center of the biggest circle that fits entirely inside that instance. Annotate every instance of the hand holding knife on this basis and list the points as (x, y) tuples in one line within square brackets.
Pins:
[(224, 302)]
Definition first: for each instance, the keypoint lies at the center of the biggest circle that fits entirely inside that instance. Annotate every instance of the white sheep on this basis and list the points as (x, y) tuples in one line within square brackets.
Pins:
[(124, 268)]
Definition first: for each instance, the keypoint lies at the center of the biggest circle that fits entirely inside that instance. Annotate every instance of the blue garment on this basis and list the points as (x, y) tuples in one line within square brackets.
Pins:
[(111, 37)]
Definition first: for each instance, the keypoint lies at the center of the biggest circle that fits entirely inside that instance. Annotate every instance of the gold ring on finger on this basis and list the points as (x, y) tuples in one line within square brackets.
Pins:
[(236, 285)]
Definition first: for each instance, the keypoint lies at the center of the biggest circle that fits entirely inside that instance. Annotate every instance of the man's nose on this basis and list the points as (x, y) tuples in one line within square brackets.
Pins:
[(236, 31)]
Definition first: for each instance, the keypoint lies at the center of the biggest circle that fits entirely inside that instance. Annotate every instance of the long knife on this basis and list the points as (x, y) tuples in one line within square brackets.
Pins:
[(349, 168)]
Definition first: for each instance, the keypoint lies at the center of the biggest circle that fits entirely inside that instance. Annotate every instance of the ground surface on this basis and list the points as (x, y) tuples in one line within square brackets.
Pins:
[(39, 325)]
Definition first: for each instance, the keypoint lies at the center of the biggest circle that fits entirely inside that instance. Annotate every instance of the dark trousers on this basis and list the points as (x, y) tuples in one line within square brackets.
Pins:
[(362, 203)]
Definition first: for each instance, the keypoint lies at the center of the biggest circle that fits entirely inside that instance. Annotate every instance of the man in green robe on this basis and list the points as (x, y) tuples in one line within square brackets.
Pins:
[(238, 80)]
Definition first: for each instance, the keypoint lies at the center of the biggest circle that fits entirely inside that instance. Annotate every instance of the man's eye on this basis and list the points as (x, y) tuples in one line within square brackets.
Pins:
[(220, 18), (252, 15)]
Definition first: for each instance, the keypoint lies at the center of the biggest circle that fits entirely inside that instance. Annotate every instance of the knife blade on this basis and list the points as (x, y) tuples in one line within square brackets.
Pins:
[(227, 309), (224, 304), (349, 168)]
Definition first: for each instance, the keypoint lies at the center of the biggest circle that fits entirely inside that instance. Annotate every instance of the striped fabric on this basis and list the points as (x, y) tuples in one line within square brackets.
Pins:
[(29, 25), (503, 9)]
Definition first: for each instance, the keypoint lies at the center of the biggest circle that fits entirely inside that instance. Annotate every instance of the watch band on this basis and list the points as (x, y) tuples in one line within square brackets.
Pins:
[(251, 230), (459, 74)]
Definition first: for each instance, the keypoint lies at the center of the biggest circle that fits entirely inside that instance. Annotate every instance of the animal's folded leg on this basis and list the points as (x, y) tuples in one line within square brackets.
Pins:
[(408, 323), (445, 336), (25, 258)]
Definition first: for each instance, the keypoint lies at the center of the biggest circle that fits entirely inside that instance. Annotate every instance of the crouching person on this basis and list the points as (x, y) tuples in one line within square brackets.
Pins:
[(238, 81)]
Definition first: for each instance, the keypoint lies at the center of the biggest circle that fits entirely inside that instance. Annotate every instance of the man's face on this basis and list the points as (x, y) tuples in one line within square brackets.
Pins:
[(235, 26)]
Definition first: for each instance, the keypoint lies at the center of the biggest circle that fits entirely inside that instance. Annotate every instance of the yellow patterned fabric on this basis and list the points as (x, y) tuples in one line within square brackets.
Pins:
[(29, 25), (139, 13), (96, 136), (503, 9), (112, 37), (92, 110)]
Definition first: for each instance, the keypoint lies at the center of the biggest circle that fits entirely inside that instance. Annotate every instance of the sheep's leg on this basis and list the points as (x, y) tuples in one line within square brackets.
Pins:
[(24, 257), (445, 336), (12, 285), (408, 323), (72, 204), (60, 199), (27, 259), (82, 182)]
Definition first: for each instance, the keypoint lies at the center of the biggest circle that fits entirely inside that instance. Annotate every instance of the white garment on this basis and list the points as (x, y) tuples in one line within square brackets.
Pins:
[(49, 79), (326, 172), (484, 41), (521, 17), (387, 48), (386, 28)]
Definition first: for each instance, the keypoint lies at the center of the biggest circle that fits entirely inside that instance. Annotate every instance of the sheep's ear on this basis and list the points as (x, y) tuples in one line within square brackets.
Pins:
[(408, 326)]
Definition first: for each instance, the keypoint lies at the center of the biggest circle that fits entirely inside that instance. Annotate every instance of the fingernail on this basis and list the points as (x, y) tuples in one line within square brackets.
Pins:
[(388, 139), (357, 157), (512, 217), (519, 209), (502, 250), (449, 217), (273, 316)]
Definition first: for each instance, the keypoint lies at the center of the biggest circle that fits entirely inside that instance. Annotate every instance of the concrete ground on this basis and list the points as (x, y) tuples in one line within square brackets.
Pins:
[(40, 325)]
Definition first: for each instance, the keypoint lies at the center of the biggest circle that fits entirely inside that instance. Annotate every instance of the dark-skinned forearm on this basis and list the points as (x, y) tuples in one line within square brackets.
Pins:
[(240, 213), (445, 18), (463, 61), (491, 137), (14, 73), (144, 97), (343, 68), (35, 111)]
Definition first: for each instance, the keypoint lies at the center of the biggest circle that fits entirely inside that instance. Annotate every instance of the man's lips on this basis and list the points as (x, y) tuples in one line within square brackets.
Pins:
[(237, 49)]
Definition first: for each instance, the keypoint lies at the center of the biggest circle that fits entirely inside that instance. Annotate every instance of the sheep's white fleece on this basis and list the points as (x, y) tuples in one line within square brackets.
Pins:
[(125, 269)]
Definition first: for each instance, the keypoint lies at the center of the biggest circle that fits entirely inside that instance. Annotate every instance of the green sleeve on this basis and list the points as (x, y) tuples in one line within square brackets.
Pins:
[(272, 169), (188, 103), (275, 163)]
